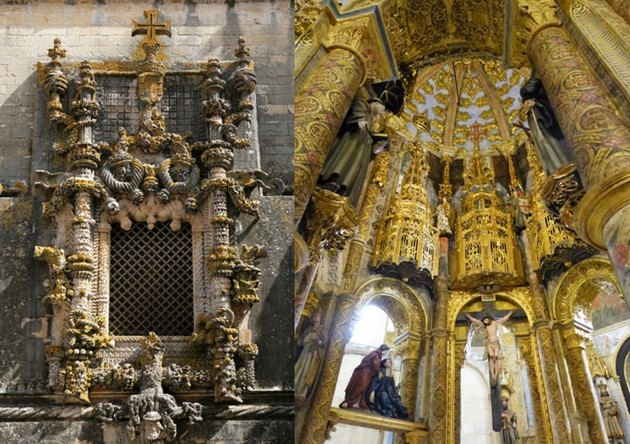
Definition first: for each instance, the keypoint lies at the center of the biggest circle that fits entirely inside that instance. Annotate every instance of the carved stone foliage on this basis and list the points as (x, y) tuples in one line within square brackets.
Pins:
[(151, 413), (149, 177)]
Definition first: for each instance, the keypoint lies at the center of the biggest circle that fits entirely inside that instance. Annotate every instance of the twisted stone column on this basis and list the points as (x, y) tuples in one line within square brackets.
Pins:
[(599, 137), (585, 394), (320, 109)]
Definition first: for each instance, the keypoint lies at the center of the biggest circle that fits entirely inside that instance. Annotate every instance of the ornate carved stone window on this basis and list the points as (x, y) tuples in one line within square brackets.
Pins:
[(151, 289)]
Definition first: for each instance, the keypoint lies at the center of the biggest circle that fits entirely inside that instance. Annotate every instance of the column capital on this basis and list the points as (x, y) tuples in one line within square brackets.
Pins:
[(532, 17), (332, 223)]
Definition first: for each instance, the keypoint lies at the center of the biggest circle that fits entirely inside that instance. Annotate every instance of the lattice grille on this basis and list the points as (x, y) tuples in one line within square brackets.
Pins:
[(151, 280), (118, 97), (181, 105)]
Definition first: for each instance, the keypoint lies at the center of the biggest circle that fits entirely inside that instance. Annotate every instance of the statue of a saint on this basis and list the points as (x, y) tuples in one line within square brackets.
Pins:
[(356, 390), (522, 211), (310, 359), (345, 169), (610, 412), (509, 434), (493, 346), (443, 222), (543, 126), (383, 396)]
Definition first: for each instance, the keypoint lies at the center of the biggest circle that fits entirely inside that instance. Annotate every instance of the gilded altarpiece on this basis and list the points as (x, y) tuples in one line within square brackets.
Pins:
[(146, 150)]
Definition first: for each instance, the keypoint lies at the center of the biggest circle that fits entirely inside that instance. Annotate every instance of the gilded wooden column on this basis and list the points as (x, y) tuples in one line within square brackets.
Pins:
[(526, 345), (585, 394), (321, 107), (555, 417), (331, 224), (621, 7), (439, 366), (598, 136), (410, 359), (459, 358), (426, 388), (314, 429)]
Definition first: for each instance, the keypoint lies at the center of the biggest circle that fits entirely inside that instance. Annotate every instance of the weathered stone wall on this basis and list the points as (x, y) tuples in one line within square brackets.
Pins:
[(100, 30)]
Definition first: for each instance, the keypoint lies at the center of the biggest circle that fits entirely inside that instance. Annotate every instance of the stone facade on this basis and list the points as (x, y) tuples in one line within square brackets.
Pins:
[(101, 32)]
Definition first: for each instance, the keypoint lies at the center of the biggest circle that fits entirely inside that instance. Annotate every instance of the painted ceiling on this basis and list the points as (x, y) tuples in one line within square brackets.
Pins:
[(462, 97)]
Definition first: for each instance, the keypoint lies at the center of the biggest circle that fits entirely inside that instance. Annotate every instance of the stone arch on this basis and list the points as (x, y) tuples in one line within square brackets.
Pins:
[(573, 291), (620, 367), (402, 303)]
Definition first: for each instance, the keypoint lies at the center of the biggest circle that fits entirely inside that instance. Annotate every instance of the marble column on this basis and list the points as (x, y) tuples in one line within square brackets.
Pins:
[(320, 109), (598, 136)]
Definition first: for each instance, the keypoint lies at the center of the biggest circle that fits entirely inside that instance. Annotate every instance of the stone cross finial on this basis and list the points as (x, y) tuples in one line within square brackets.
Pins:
[(152, 28), (57, 52)]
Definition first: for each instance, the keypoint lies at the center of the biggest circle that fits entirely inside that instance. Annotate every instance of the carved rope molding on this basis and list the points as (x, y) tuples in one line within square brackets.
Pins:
[(245, 412)]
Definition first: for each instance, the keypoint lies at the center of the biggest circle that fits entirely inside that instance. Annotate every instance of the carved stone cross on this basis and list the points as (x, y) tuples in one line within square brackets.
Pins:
[(152, 28)]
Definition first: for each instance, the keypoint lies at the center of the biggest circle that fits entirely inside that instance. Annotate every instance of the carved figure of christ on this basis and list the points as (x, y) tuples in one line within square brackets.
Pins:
[(493, 347)]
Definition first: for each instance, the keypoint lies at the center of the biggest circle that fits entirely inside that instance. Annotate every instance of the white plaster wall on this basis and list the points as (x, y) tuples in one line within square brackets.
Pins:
[(346, 434), (476, 416)]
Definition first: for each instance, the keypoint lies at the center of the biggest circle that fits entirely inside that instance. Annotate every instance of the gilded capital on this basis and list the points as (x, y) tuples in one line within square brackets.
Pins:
[(332, 223), (532, 17)]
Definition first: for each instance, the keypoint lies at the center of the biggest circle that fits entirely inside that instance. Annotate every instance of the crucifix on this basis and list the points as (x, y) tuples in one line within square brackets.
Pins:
[(152, 28), (490, 324)]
